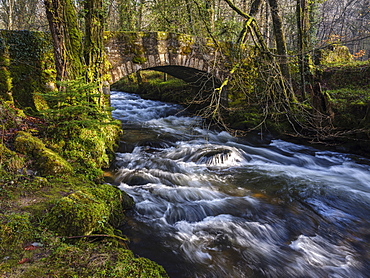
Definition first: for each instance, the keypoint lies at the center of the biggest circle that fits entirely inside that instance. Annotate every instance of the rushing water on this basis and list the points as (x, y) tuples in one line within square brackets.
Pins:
[(211, 205)]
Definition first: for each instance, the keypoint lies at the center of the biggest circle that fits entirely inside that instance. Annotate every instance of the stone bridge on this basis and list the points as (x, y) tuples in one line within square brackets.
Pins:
[(195, 60), (27, 64)]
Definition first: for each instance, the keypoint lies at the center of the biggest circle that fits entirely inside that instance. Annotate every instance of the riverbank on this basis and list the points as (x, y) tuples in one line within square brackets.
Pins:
[(57, 216)]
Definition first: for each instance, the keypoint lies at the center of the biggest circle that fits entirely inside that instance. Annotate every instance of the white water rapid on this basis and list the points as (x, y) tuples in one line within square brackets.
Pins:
[(211, 205)]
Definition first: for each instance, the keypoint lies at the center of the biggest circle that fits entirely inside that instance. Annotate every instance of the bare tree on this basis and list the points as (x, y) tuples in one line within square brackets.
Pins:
[(347, 22), (22, 15)]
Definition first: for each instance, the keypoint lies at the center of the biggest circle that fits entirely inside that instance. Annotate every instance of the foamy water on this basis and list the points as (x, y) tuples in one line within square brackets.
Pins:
[(210, 205)]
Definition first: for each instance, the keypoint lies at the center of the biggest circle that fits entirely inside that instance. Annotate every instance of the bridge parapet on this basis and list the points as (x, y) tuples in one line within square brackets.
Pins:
[(129, 52)]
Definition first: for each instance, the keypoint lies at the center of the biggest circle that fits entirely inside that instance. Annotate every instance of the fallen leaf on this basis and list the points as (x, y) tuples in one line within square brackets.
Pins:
[(31, 247), (24, 260)]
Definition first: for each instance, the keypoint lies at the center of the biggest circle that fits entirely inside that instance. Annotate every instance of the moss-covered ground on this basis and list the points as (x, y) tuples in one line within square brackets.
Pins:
[(57, 216)]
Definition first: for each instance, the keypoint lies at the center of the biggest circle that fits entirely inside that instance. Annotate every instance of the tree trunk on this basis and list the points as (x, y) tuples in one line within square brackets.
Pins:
[(210, 8), (93, 46), (255, 7), (303, 57), (67, 39), (279, 39)]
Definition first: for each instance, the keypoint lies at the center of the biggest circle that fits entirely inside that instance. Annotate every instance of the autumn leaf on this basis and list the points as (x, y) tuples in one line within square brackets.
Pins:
[(24, 260), (31, 247)]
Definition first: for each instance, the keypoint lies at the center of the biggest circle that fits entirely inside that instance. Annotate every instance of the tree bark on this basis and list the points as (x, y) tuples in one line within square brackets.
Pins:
[(67, 39), (93, 47), (279, 39), (255, 7), (303, 58)]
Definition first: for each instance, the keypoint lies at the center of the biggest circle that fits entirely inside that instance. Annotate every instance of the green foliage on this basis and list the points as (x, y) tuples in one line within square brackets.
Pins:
[(80, 127)]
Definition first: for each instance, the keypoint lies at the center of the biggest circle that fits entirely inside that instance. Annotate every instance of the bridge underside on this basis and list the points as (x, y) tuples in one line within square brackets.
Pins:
[(192, 76)]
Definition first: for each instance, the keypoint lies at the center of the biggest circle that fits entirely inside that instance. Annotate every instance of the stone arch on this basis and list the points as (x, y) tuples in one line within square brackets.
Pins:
[(183, 56)]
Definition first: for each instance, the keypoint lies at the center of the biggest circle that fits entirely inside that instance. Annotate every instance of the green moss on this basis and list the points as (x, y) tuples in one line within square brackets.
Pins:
[(162, 35), (46, 161), (5, 77), (77, 214), (28, 55), (139, 59), (88, 210), (186, 49), (98, 260), (40, 102), (338, 54), (15, 231), (9, 160), (348, 76), (186, 42), (91, 149)]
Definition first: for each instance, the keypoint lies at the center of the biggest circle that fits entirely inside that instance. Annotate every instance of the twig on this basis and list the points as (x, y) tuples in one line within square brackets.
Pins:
[(124, 240)]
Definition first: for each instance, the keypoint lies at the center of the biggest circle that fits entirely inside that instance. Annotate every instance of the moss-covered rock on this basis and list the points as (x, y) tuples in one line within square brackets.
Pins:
[(9, 160), (334, 55), (46, 161), (77, 214), (88, 210), (91, 149)]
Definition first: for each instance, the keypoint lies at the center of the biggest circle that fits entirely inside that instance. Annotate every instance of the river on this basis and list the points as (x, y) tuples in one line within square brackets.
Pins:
[(212, 205)]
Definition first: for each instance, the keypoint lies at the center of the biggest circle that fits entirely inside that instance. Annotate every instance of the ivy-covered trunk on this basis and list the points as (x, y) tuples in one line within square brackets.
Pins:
[(93, 45), (5, 76), (67, 39)]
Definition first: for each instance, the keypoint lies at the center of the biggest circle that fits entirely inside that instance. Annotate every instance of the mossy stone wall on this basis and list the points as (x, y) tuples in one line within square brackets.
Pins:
[(27, 65), (347, 76)]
